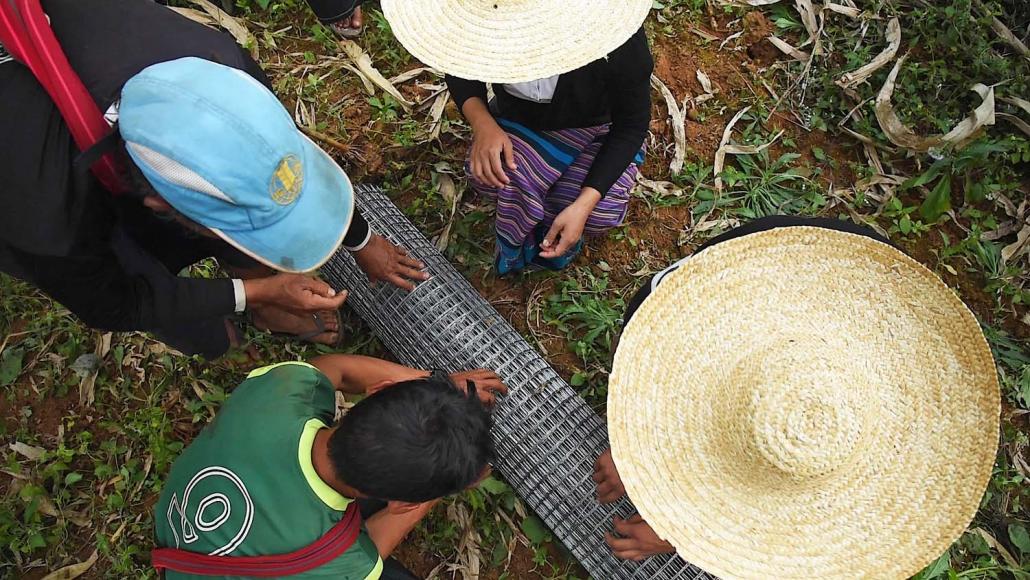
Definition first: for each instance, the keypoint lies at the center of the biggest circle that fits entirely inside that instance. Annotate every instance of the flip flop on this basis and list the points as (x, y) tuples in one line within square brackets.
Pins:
[(320, 328), (346, 32)]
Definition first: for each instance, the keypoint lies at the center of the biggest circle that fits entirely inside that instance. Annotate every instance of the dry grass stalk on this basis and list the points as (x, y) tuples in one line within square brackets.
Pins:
[(677, 119), (860, 75), (787, 49), (452, 196), (720, 154), (238, 31), (849, 11), (74, 570), (959, 136), (369, 72), (1004, 33)]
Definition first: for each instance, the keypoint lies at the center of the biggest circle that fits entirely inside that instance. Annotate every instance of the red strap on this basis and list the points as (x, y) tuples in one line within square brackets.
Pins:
[(26, 33), (332, 545)]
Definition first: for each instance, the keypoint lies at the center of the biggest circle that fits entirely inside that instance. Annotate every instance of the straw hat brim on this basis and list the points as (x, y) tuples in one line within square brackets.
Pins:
[(805, 403), (501, 41)]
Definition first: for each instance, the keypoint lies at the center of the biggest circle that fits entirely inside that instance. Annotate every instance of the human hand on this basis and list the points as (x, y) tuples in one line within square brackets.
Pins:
[(488, 384), (381, 260), (568, 226), (491, 153), (638, 540), (606, 476), (298, 293)]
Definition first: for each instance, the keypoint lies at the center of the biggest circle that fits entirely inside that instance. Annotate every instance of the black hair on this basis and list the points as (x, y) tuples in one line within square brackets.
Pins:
[(414, 441)]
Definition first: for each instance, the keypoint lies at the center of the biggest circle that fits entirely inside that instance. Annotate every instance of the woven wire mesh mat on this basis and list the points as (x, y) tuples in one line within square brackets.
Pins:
[(547, 438)]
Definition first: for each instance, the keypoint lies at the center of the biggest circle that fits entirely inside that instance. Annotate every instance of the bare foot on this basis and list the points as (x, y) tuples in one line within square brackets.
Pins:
[(275, 319), (349, 27)]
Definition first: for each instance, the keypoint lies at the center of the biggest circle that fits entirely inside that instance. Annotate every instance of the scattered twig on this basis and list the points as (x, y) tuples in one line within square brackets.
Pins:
[(677, 119)]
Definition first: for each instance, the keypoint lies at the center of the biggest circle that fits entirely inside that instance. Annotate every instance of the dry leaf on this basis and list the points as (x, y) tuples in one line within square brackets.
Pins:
[(1017, 248), (747, 2), (238, 31), (751, 149), (703, 34), (706, 83), (1021, 103), (787, 49), (849, 11), (811, 22), (678, 119), (1019, 123), (407, 76), (30, 452), (363, 62), (899, 134), (73, 571), (661, 188), (994, 543), (452, 196), (720, 154), (1004, 33), (859, 76), (436, 114)]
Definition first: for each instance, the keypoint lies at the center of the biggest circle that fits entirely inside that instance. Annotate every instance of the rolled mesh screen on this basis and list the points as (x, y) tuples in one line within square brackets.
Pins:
[(547, 438)]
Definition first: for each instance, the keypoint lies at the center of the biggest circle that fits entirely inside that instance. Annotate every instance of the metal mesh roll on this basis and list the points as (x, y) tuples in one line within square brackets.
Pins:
[(547, 438)]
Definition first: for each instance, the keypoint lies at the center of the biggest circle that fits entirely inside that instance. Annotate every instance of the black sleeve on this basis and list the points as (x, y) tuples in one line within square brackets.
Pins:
[(358, 231), (463, 90), (99, 290), (629, 86)]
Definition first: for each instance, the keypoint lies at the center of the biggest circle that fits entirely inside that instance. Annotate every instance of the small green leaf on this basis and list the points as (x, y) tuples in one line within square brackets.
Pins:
[(905, 225), (578, 379), (72, 478), (493, 486), (819, 153), (535, 530), (940, 566), (938, 202), (1020, 538), (499, 554), (10, 366)]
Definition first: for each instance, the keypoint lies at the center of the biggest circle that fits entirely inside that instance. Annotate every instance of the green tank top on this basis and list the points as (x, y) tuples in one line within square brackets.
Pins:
[(246, 485)]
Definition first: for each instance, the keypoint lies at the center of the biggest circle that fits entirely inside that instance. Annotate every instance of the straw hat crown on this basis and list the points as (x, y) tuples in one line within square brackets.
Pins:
[(512, 41), (804, 403)]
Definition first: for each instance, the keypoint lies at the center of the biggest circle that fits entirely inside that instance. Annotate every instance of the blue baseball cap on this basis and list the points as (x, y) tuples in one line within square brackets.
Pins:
[(223, 151)]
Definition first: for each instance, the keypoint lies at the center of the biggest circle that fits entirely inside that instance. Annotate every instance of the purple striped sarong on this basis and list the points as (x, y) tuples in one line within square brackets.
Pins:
[(551, 168)]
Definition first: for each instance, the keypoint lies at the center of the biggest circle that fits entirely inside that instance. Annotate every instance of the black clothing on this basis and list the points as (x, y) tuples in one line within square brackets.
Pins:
[(60, 229), (760, 225), (615, 89), (329, 11)]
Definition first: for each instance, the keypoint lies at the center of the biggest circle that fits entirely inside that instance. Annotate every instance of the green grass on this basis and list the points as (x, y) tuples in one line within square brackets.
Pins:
[(101, 465)]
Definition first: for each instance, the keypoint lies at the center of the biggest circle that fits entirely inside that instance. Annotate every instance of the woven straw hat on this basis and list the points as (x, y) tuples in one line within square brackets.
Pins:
[(512, 41), (804, 403)]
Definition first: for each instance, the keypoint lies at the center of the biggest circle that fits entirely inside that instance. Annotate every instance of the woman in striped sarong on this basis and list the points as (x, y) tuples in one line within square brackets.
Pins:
[(560, 155)]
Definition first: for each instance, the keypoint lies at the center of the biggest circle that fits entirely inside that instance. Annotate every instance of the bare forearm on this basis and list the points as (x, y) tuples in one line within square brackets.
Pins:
[(388, 530), (355, 374), (477, 113)]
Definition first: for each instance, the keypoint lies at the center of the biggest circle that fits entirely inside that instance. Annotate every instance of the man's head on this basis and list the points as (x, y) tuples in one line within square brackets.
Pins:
[(219, 148), (413, 442)]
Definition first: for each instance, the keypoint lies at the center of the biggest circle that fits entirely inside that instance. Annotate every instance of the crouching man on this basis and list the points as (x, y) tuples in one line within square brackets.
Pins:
[(272, 486)]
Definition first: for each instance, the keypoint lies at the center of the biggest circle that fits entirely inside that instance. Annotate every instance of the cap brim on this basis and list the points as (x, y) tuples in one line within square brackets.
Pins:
[(314, 229)]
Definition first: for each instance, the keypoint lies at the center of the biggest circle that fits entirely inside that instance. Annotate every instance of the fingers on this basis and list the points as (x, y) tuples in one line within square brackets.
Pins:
[(486, 170), (635, 519), (623, 527), (498, 169), (413, 263), (550, 238), (620, 544), (315, 303), (509, 154), (400, 282)]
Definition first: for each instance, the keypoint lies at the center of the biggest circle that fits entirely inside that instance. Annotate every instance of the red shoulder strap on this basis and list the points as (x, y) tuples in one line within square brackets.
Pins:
[(333, 544), (26, 34)]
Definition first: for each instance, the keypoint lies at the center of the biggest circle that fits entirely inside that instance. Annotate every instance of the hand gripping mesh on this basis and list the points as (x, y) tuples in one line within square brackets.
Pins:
[(547, 437)]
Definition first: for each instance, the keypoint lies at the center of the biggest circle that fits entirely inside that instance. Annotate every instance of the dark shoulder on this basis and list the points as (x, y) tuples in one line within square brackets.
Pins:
[(633, 58)]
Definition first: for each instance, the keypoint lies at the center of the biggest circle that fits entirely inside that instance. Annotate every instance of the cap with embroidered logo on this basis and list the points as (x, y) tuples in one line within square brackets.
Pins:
[(219, 147)]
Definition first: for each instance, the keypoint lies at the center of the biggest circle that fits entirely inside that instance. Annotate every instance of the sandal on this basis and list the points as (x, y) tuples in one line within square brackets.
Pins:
[(320, 328), (342, 29)]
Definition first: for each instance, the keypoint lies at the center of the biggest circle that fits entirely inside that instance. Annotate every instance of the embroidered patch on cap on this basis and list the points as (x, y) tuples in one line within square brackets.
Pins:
[(287, 180)]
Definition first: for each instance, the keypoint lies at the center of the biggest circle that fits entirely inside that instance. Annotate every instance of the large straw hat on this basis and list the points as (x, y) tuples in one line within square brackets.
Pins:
[(804, 403), (513, 41)]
